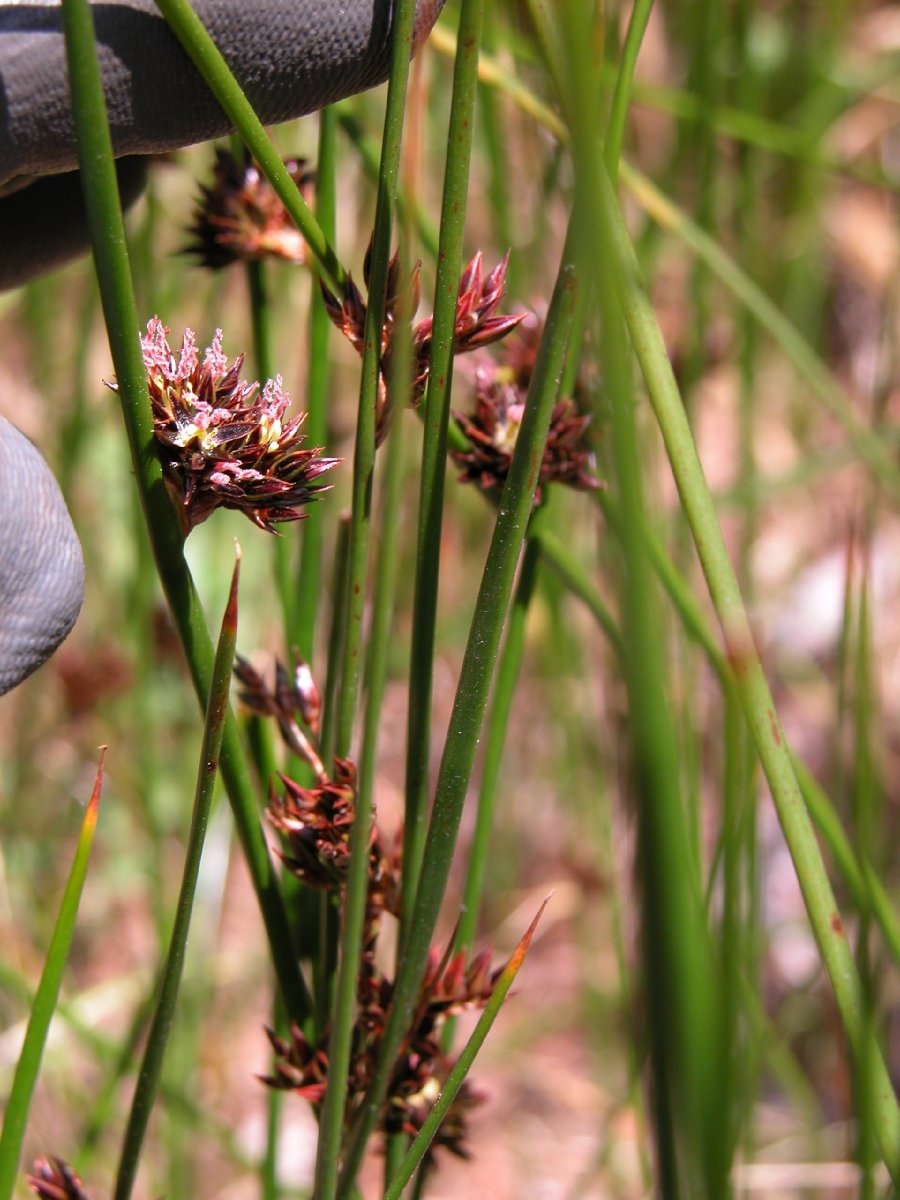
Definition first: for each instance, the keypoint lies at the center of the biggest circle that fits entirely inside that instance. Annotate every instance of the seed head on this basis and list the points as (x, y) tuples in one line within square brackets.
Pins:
[(239, 216), (410, 1115), (299, 1066)]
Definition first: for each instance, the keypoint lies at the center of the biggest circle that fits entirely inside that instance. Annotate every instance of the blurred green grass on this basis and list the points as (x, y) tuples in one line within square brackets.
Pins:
[(828, 83)]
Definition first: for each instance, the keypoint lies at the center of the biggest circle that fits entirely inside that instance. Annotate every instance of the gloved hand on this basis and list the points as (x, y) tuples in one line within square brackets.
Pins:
[(290, 56)]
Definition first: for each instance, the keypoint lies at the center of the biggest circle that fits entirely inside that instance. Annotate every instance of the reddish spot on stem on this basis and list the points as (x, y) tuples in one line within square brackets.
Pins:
[(837, 925), (773, 725), (739, 655)]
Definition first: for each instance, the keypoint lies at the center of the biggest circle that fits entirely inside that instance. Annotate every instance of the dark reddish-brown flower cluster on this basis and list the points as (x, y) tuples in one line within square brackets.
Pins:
[(316, 824), (51, 1179), (476, 305), (239, 216), (223, 442), (476, 321), (299, 1067), (421, 1070), (449, 987), (410, 1116), (491, 430)]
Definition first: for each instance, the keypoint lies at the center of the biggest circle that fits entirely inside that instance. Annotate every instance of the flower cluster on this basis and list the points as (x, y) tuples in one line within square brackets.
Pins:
[(476, 305), (448, 988), (316, 824), (421, 1069), (51, 1179), (491, 430), (476, 321), (223, 442), (453, 1130), (239, 216)]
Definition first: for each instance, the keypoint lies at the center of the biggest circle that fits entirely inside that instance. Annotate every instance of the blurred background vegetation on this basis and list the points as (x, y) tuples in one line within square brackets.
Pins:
[(761, 165)]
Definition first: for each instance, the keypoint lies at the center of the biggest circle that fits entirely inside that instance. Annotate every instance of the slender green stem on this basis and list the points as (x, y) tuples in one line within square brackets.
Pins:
[(339, 600), (471, 694), (462, 1065), (434, 448), (577, 580), (504, 691), (615, 128), (308, 587), (260, 318), (385, 583), (340, 1045), (117, 296), (161, 1026), (752, 686), (684, 1014), (308, 584), (866, 890), (258, 287), (325, 966), (868, 444), (43, 1006), (269, 1189), (364, 448), (742, 125)]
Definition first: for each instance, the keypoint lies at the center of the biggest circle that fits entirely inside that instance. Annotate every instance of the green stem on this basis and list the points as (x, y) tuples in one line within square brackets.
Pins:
[(117, 296), (753, 688), (615, 129), (471, 695), (434, 447), (504, 691), (43, 1006), (684, 1014), (161, 1026), (309, 579), (258, 287), (340, 1045), (866, 890)]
